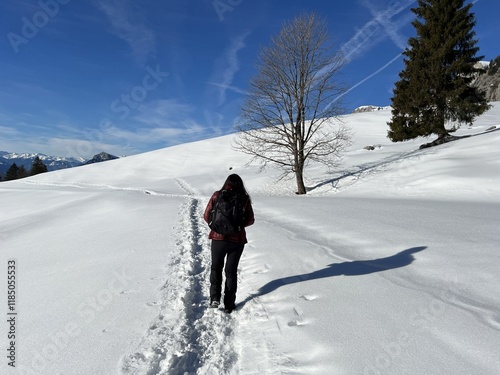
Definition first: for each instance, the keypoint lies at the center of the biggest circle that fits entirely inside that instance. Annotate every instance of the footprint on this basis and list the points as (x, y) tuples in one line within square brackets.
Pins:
[(262, 271), (296, 323), (309, 297), (494, 321)]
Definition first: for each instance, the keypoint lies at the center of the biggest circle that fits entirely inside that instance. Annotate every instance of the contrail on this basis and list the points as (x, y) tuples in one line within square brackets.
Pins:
[(374, 29), (365, 79)]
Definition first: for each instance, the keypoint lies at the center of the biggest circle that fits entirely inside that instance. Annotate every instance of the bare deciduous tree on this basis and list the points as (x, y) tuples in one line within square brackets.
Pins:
[(291, 99)]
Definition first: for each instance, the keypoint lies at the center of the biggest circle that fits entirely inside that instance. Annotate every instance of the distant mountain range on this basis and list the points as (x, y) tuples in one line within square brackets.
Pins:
[(52, 162)]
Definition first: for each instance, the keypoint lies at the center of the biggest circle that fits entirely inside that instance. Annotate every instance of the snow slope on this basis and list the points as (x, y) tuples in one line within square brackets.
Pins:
[(388, 266)]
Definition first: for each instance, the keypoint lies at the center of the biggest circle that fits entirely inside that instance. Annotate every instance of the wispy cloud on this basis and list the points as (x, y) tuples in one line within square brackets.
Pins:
[(378, 71), (54, 144), (163, 112), (21, 6), (384, 19), (382, 25), (142, 138), (159, 123), (7, 131), (129, 26), (228, 88), (226, 68), (168, 121), (81, 148)]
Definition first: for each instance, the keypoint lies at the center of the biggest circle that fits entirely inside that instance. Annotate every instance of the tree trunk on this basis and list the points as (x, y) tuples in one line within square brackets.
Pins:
[(299, 176)]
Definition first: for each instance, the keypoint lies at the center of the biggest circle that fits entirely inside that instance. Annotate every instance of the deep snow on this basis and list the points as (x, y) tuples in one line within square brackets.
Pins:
[(388, 266)]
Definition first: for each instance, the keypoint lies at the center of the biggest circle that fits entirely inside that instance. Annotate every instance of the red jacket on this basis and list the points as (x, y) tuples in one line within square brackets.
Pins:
[(236, 237)]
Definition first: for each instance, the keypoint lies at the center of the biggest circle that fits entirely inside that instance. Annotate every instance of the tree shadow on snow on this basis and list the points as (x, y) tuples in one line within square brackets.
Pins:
[(368, 168), (372, 167), (354, 268)]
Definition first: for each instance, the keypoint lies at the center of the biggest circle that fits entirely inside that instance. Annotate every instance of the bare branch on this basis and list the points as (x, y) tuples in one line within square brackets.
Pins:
[(286, 118)]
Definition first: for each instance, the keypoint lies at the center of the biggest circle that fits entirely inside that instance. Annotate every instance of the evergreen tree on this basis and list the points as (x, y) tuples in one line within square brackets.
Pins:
[(12, 173), (37, 167), (494, 66), (435, 89), (22, 172)]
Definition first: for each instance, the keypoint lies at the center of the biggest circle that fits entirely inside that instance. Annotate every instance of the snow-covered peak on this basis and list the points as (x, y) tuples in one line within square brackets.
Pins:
[(482, 65), (372, 108)]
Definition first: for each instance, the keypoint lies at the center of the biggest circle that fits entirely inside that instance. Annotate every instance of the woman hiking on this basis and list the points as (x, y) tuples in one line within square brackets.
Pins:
[(227, 246)]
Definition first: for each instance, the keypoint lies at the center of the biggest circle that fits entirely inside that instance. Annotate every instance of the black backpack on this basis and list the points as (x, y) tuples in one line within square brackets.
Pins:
[(228, 213)]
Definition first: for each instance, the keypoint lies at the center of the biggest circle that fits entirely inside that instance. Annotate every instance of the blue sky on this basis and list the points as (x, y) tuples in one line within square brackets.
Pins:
[(83, 76)]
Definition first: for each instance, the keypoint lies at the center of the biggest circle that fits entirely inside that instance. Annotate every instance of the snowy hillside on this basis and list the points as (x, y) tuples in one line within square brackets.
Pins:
[(387, 266)]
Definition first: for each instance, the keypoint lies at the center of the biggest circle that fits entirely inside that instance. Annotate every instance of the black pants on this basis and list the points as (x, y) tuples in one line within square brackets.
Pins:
[(221, 250)]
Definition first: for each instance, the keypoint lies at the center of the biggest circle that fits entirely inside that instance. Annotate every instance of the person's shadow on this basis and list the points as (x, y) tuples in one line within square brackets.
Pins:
[(354, 268)]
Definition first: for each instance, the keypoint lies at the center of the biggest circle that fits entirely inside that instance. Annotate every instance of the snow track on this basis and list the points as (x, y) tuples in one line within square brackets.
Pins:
[(187, 337), (81, 185)]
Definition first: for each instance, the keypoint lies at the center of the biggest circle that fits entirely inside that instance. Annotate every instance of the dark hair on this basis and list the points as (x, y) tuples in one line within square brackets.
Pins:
[(234, 182)]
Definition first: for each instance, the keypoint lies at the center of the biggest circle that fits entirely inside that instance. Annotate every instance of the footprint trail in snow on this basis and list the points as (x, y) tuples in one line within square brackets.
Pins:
[(187, 336)]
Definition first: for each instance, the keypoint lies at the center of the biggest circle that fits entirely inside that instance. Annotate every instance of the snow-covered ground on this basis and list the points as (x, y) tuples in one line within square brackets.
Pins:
[(388, 266)]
